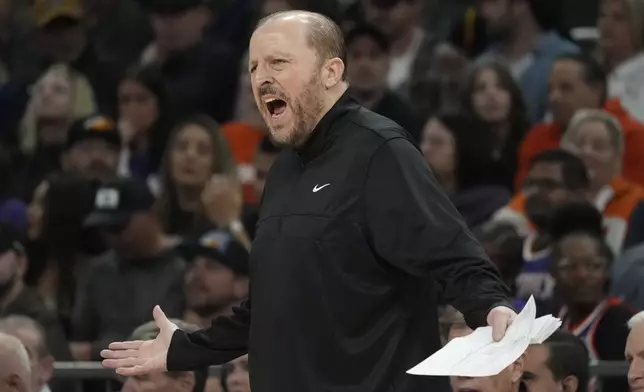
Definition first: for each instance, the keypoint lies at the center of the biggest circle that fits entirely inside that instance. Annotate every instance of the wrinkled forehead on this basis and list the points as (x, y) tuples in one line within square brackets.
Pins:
[(283, 37)]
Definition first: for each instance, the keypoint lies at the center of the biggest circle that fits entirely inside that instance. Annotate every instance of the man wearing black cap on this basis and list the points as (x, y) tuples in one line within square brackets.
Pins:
[(93, 148), (191, 57), (140, 271), (367, 67), (217, 277)]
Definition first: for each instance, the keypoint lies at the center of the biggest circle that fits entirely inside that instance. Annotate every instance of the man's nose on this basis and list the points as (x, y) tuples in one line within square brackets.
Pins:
[(262, 75)]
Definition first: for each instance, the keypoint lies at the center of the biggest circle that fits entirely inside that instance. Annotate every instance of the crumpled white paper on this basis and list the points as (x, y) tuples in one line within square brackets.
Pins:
[(478, 355)]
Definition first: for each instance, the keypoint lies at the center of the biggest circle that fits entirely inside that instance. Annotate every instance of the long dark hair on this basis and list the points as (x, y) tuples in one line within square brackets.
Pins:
[(151, 77), (168, 205)]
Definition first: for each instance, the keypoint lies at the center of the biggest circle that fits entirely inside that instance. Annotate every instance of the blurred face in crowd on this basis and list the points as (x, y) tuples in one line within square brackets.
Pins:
[(439, 148), (137, 105), (506, 381), (394, 17), (498, 16), (211, 286), (490, 100), (12, 269), (569, 91), (133, 238), (180, 31), (63, 40), (367, 65), (544, 189), (538, 376), (263, 163), (192, 157), (52, 94), (593, 143), (42, 364), (160, 382), (635, 357), (35, 211), (581, 272), (237, 379), (286, 74), (618, 36), (93, 158)]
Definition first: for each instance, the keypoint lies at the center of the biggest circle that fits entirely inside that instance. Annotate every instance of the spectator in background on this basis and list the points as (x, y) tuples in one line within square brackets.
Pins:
[(234, 375), (578, 82), (504, 247), (458, 155), (192, 381), (146, 116), (62, 38), (139, 272), (508, 380), (560, 363), (196, 150), (523, 33), (621, 42), (93, 148), (15, 372), (59, 253), (265, 156), (245, 132), (60, 96), (494, 98), (635, 352), (401, 22), (217, 276), (33, 336), (581, 263), (12, 210), (18, 299), (200, 66), (556, 177), (597, 138), (367, 66)]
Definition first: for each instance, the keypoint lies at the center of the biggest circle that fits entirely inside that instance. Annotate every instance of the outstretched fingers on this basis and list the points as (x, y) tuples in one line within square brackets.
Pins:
[(130, 345), (119, 354), (123, 363)]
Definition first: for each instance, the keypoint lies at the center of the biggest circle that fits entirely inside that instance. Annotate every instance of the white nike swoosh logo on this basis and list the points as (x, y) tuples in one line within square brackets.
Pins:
[(317, 188)]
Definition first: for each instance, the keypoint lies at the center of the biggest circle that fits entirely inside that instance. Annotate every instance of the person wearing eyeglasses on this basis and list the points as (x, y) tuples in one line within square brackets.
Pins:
[(581, 265)]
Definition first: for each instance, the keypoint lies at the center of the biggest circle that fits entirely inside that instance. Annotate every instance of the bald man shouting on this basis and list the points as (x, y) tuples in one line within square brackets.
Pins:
[(15, 370), (354, 240)]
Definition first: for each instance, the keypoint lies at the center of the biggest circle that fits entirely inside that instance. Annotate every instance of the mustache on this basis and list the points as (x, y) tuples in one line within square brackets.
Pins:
[(271, 90)]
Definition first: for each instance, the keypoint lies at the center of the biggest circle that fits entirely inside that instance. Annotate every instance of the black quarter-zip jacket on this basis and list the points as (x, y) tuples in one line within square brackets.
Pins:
[(355, 242)]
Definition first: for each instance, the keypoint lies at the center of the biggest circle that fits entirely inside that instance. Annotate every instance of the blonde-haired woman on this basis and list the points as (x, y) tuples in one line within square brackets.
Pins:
[(58, 97), (621, 44), (596, 137)]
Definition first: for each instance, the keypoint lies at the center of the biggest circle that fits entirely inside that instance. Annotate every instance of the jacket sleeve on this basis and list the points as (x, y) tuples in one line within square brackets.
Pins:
[(225, 340), (413, 226)]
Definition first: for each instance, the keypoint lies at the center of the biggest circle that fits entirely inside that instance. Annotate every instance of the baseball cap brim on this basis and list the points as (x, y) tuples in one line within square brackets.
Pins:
[(106, 219), (62, 12), (191, 249)]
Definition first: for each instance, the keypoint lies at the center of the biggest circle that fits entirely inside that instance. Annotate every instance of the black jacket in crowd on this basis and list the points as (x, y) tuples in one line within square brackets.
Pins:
[(355, 241)]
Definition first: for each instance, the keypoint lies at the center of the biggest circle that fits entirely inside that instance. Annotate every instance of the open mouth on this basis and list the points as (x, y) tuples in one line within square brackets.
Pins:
[(275, 106)]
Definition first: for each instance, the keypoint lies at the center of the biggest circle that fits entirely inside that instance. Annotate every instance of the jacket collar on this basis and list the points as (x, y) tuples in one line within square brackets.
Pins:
[(327, 128)]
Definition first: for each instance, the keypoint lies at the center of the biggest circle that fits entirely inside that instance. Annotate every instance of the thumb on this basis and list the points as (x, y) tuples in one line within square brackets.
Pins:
[(499, 326), (160, 318)]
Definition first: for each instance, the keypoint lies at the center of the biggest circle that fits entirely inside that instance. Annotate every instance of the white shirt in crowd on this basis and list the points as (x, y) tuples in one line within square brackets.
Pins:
[(626, 82)]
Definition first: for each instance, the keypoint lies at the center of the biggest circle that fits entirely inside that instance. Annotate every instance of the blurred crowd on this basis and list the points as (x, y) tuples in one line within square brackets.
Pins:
[(133, 159)]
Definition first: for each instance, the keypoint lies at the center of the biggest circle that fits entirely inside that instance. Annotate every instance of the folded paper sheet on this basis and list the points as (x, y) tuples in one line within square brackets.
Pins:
[(478, 355)]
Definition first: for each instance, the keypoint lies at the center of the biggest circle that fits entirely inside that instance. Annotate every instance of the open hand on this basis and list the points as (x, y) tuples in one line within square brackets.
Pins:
[(500, 319), (141, 357)]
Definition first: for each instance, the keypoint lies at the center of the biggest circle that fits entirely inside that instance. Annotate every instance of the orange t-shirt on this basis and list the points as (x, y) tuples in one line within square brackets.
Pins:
[(620, 198), (547, 136), (243, 139)]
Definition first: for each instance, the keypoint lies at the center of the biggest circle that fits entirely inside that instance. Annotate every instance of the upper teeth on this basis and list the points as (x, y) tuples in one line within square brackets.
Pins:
[(269, 100)]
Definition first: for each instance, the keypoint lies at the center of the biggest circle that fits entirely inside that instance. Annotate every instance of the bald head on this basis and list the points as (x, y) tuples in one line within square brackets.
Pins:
[(323, 35), (15, 371)]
